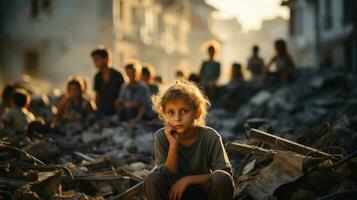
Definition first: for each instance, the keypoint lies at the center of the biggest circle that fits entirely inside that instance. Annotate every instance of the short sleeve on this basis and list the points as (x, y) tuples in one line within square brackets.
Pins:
[(161, 146), (219, 158), (145, 95), (122, 91)]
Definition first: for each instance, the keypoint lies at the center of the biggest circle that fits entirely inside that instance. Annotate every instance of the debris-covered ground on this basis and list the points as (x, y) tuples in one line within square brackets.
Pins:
[(285, 141)]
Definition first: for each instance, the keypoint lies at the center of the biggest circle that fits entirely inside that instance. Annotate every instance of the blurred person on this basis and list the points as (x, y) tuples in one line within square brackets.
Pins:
[(6, 96), (134, 98), (74, 106), (230, 95), (107, 83), (210, 73), (285, 67), (255, 63), (17, 117), (146, 76), (194, 78), (179, 74)]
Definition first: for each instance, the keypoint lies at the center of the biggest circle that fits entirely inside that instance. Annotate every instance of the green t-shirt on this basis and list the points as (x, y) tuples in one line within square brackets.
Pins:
[(204, 156)]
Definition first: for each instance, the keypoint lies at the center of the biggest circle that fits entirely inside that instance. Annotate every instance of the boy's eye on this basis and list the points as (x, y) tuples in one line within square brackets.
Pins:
[(170, 112), (184, 111)]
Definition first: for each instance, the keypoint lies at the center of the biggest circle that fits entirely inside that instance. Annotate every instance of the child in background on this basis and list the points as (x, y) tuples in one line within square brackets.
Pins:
[(17, 117), (134, 97), (146, 76), (74, 106), (6, 96), (191, 159)]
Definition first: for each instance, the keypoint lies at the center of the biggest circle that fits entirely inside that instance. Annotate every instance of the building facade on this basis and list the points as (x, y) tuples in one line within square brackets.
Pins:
[(323, 32), (52, 39)]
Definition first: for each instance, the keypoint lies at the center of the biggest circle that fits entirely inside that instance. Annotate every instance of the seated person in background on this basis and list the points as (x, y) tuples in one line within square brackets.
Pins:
[(17, 117), (285, 67), (73, 106), (107, 83), (6, 96), (230, 95), (195, 78), (180, 74), (146, 73), (134, 96), (236, 78)]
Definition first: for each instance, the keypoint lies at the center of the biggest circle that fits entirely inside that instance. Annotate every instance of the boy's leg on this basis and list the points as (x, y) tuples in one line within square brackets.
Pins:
[(156, 186), (219, 186)]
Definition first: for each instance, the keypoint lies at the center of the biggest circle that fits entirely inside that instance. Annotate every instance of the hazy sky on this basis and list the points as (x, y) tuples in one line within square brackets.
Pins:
[(250, 13)]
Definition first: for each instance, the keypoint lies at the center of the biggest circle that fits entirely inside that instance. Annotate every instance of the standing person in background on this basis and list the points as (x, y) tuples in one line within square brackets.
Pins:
[(285, 67), (209, 73), (256, 63), (107, 83)]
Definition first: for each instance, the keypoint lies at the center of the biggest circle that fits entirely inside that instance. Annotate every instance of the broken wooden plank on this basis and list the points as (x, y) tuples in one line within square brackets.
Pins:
[(133, 191), (250, 149), (280, 143)]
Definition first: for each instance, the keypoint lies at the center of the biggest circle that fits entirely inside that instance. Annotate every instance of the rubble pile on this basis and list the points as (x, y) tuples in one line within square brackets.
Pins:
[(106, 160), (294, 140), (297, 140)]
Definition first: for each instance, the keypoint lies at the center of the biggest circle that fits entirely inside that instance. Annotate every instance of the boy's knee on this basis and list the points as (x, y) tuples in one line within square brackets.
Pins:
[(152, 179), (220, 178)]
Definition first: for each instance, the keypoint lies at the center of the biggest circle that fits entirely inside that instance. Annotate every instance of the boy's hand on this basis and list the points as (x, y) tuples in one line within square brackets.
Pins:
[(178, 188), (171, 134)]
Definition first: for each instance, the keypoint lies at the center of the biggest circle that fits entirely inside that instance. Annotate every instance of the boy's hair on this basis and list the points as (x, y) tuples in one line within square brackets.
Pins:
[(101, 52), (133, 65), (20, 97), (148, 69), (77, 82), (183, 89)]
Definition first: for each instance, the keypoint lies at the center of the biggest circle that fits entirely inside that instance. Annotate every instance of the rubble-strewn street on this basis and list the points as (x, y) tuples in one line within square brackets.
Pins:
[(292, 142)]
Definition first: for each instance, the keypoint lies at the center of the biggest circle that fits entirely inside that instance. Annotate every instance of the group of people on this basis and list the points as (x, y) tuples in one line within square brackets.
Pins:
[(131, 99), (191, 159)]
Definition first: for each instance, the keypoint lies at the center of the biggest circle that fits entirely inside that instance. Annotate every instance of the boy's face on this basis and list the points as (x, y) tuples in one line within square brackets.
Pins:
[(131, 74), (73, 91), (99, 61), (180, 114)]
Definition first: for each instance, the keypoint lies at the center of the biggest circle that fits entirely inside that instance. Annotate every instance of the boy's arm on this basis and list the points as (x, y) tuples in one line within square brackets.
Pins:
[(171, 161), (219, 157), (165, 154)]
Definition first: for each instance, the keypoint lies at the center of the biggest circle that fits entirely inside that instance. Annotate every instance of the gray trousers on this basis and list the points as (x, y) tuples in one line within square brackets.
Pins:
[(219, 186)]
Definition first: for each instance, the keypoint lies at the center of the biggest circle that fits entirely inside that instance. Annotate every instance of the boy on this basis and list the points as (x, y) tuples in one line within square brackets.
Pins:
[(134, 96), (146, 76), (191, 159), (17, 117), (107, 83)]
